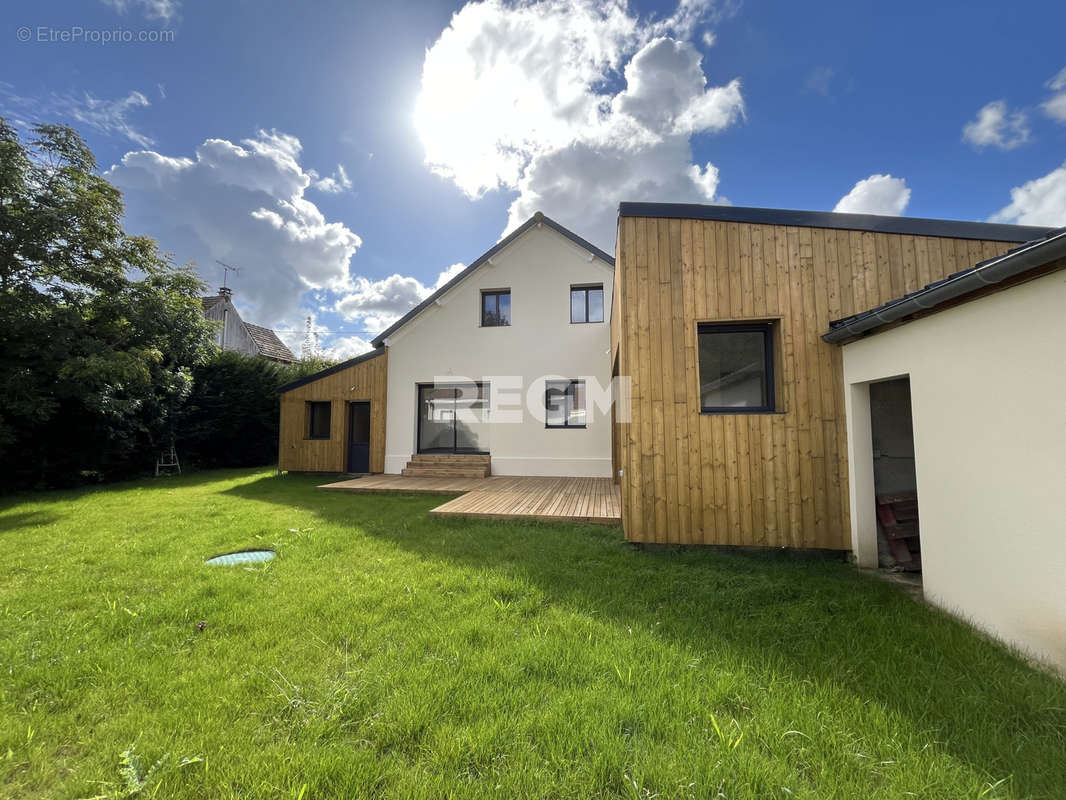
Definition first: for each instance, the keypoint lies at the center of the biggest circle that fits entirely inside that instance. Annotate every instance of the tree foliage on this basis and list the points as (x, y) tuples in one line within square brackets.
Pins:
[(231, 417), (99, 331)]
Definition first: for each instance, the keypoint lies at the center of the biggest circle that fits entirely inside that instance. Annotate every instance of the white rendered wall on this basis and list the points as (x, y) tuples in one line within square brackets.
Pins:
[(447, 340), (988, 391)]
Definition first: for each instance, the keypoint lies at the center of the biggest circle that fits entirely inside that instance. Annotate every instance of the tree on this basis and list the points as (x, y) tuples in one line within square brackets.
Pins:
[(99, 331)]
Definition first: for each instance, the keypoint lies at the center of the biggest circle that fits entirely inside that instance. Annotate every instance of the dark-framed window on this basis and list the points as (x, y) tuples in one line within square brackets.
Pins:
[(586, 303), (495, 308), (318, 418), (736, 363), (564, 404)]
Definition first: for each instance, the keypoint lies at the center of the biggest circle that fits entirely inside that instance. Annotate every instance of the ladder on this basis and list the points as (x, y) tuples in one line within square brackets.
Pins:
[(167, 463)]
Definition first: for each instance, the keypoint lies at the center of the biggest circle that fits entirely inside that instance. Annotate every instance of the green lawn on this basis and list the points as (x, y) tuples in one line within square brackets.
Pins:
[(387, 654)]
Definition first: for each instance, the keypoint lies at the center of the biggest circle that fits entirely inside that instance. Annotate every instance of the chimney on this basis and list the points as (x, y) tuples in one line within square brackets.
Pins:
[(225, 291)]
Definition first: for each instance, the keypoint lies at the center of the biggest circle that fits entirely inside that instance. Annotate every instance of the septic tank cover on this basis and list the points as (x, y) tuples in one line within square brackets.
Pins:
[(242, 557)]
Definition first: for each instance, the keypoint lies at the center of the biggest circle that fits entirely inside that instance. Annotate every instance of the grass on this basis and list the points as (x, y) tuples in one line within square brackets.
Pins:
[(387, 654)]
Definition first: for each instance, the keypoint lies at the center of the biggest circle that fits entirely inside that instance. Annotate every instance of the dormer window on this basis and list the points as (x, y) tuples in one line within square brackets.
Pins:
[(586, 303), (495, 308)]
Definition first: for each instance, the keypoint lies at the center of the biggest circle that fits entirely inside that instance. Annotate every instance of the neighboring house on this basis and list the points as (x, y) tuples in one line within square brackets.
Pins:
[(977, 367), (239, 336), (528, 318)]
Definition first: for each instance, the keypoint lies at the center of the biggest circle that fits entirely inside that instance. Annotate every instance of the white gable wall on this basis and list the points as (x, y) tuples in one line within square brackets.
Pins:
[(447, 340), (987, 381)]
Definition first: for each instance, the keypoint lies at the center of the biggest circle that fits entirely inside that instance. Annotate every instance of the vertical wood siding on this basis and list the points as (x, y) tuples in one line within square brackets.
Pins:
[(364, 381), (773, 480)]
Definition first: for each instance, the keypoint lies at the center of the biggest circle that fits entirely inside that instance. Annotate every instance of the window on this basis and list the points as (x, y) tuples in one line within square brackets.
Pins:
[(586, 303), (496, 308), (318, 415), (564, 404), (736, 367)]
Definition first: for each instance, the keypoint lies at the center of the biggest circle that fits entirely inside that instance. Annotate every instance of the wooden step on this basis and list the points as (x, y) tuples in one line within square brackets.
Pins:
[(444, 471), (450, 458)]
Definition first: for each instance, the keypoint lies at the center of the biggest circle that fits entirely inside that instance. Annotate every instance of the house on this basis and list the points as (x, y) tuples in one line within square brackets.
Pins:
[(704, 295), (334, 420), (504, 369), (959, 386), (239, 336), (888, 386)]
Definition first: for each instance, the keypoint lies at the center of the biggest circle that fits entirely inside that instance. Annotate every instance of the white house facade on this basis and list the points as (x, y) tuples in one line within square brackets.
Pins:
[(509, 359), (986, 379)]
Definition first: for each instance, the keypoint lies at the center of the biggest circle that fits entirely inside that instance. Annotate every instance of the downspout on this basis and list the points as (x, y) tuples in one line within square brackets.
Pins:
[(1029, 256)]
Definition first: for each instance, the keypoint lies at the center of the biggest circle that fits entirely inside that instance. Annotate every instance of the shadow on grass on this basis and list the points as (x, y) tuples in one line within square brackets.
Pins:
[(188, 479), (802, 620), (26, 519)]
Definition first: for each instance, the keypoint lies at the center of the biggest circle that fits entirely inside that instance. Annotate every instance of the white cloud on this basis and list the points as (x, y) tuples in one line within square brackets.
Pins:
[(1055, 106), (110, 117), (878, 194), (575, 105), (449, 273), (243, 204), (1039, 202), (996, 126), (164, 10), (705, 179), (709, 38), (333, 184), (341, 348), (378, 304)]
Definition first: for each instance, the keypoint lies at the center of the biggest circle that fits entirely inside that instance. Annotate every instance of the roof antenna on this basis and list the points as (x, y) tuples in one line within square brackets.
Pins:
[(224, 290)]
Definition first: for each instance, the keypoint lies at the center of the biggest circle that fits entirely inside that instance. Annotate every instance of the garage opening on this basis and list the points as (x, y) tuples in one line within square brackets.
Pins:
[(895, 483)]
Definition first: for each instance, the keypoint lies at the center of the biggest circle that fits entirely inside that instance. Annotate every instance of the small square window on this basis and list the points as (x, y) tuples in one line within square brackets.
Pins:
[(586, 303), (736, 364), (318, 417), (564, 404), (496, 308)]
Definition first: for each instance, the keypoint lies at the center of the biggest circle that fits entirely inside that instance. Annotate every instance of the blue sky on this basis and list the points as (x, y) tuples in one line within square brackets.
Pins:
[(348, 155)]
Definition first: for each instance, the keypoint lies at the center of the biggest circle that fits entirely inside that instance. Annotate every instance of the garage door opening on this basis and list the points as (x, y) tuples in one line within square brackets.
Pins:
[(895, 482)]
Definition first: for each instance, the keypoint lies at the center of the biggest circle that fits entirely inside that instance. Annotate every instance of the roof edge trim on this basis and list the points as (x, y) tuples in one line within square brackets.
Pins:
[(915, 226)]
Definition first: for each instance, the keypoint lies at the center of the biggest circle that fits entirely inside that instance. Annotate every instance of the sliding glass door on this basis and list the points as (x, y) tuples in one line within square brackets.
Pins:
[(453, 418)]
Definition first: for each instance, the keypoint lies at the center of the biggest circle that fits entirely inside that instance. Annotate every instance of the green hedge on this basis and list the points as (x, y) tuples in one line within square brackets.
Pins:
[(231, 416)]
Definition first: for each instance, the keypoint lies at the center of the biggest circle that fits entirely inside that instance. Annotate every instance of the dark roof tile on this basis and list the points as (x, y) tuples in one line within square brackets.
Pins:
[(268, 343)]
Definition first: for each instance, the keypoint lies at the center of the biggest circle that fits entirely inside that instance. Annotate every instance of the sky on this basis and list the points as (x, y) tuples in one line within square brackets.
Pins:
[(350, 157)]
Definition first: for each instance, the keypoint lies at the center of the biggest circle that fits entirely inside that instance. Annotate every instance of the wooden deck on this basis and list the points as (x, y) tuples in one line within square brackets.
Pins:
[(402, 483), (550, 499)]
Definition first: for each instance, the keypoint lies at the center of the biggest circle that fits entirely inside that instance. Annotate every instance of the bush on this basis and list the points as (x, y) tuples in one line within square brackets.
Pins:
[(232, 414)]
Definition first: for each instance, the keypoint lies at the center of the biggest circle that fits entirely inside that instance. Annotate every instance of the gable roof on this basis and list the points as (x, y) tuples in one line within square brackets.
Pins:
[(351, 362), (915, 226), (268, 342), (537, 219), (1026, 258)]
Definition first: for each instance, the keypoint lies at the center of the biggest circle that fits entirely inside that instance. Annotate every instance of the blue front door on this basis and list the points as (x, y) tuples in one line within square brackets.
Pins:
[(359, 437)]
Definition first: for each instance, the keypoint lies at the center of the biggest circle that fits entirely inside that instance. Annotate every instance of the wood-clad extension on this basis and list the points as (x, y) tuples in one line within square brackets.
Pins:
[(365, 379), (774, 479)]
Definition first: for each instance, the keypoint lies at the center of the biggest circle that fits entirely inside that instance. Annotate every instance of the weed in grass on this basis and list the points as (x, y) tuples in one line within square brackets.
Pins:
[(134, 778)]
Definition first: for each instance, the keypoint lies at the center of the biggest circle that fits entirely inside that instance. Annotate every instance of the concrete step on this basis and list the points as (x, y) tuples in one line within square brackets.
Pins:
[(443, 471), (450, 458)]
